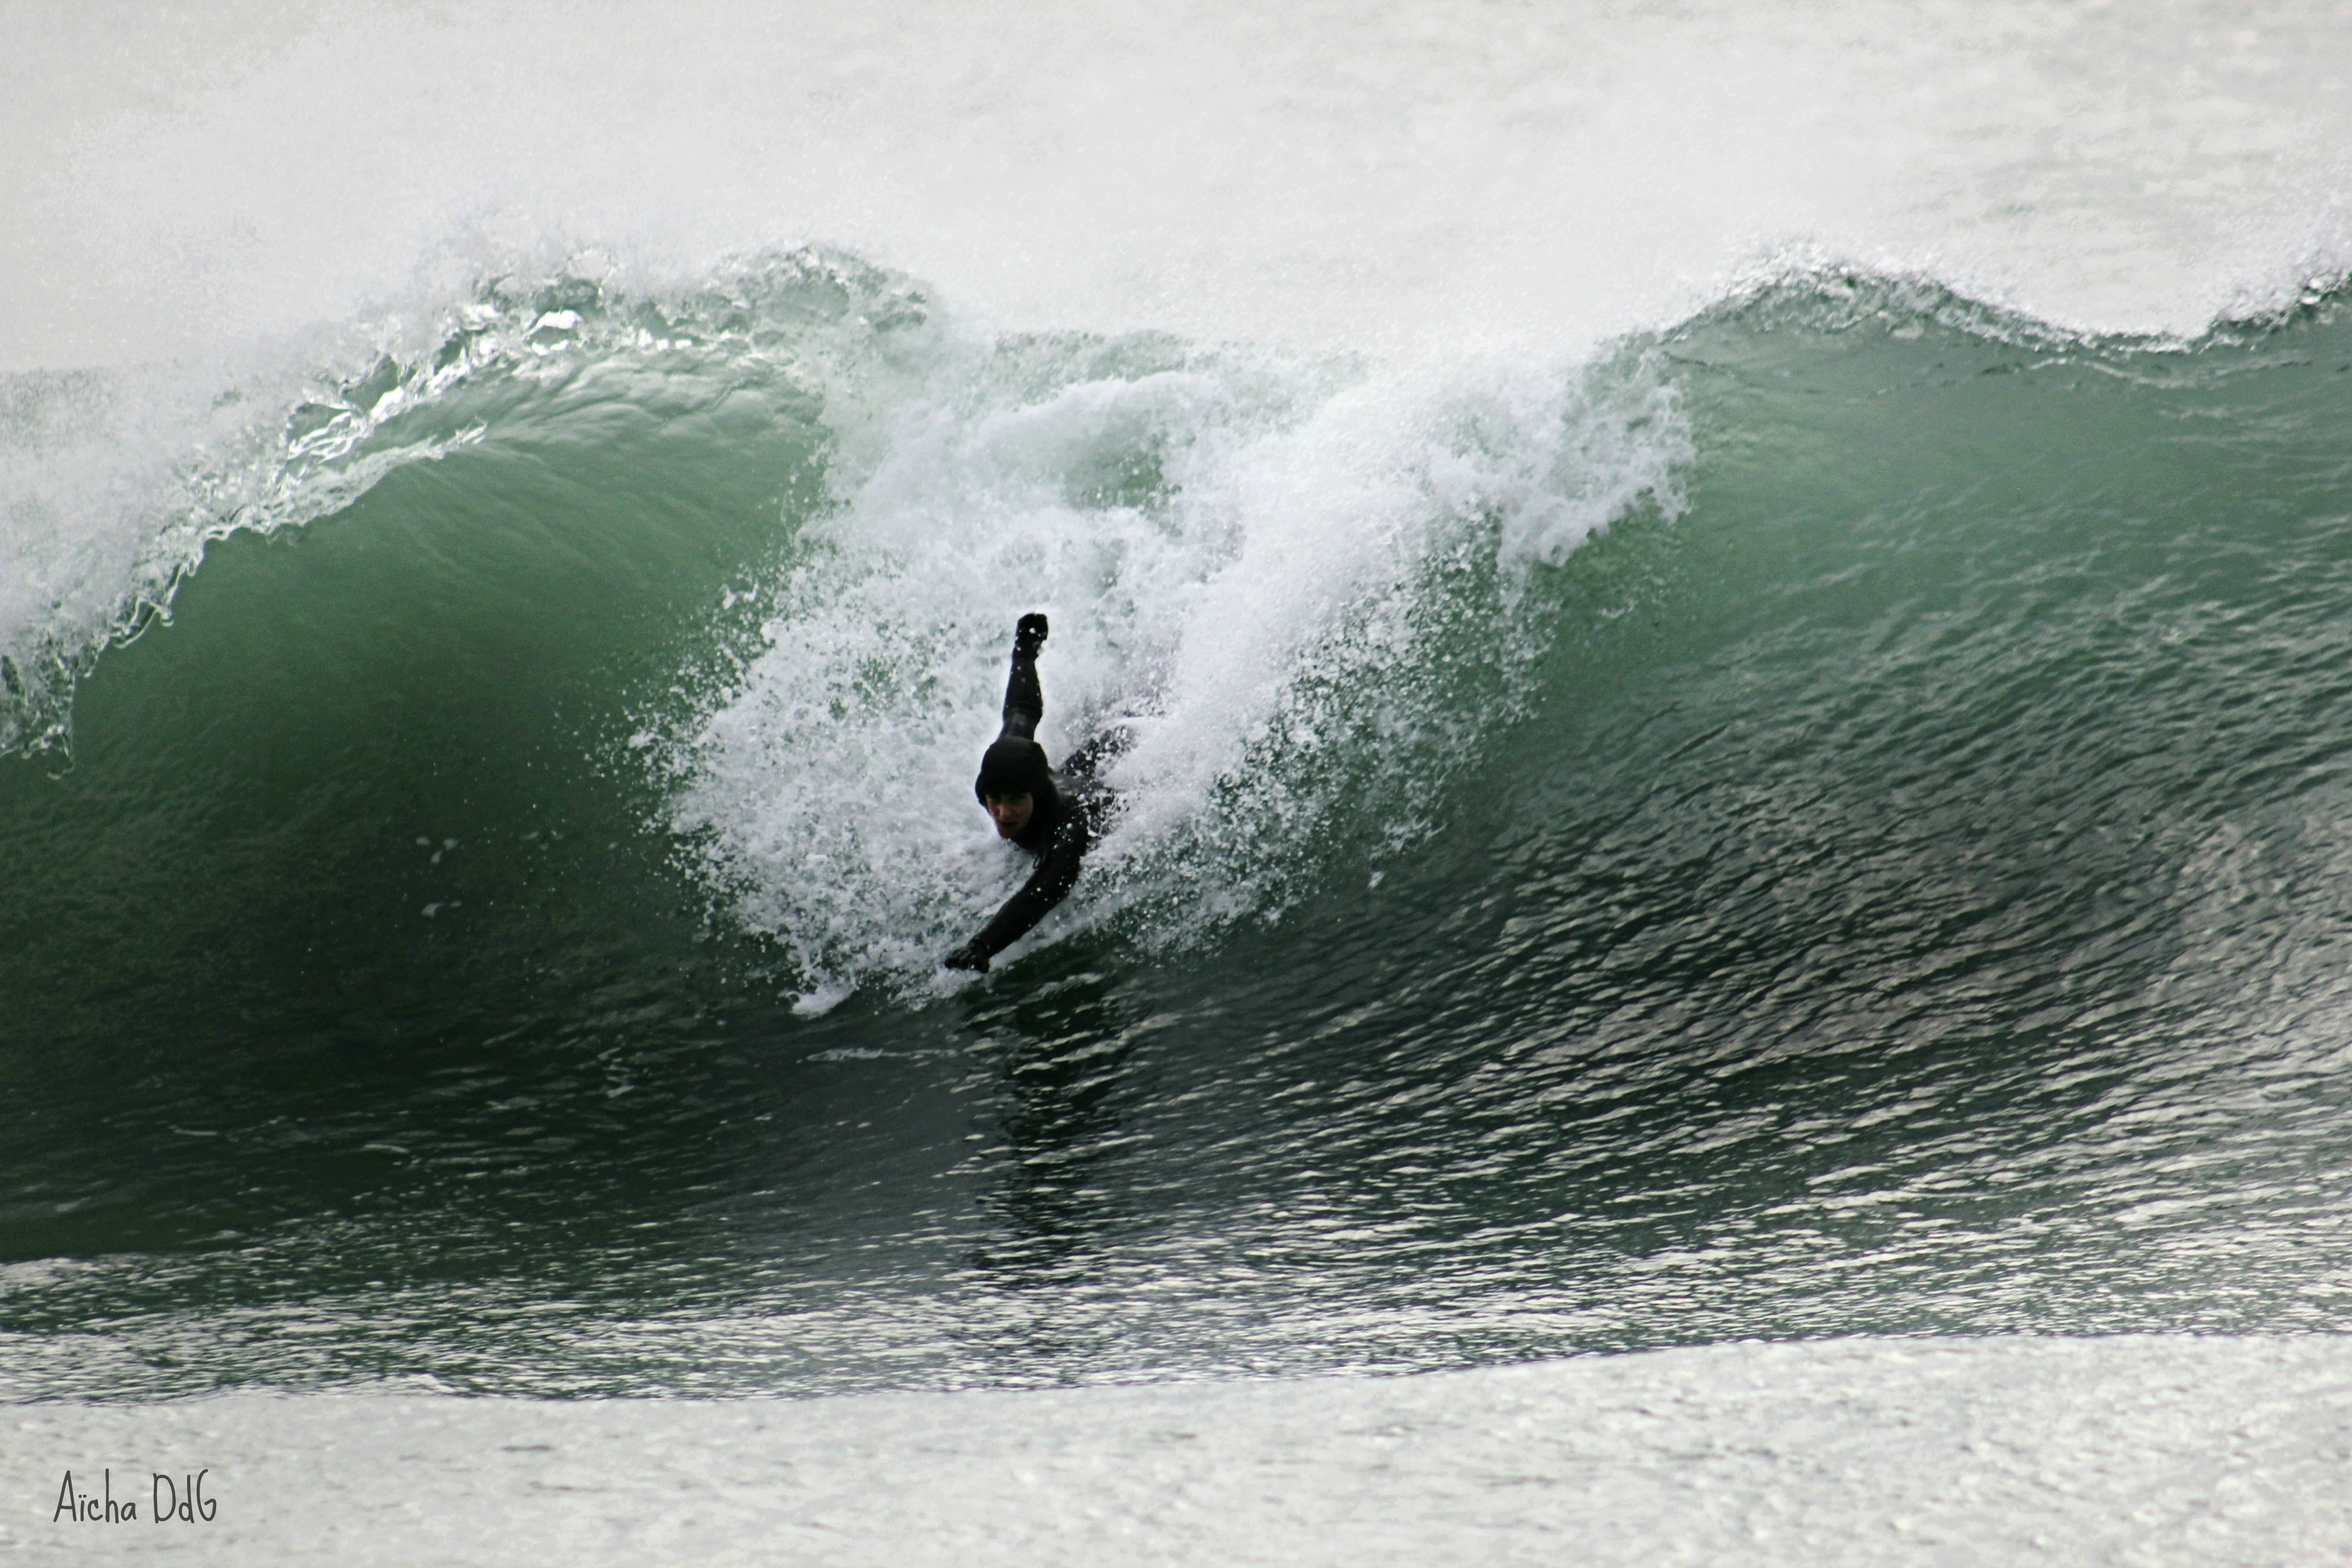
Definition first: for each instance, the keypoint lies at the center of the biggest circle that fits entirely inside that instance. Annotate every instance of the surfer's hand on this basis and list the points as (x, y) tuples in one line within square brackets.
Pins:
[(1029, 634), (965, 958)]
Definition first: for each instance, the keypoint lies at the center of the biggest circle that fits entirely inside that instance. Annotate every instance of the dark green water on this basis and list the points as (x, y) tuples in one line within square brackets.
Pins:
[(1896, 879)]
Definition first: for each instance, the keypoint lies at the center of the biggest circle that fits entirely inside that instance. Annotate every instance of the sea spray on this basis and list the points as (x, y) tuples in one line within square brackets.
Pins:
[(1293, 586)]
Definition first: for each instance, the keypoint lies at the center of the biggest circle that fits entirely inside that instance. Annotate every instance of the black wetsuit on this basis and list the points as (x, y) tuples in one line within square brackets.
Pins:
[(1066, 813)]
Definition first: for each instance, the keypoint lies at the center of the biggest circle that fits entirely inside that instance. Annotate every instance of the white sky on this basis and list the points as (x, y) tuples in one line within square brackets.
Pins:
[(1408, 177)]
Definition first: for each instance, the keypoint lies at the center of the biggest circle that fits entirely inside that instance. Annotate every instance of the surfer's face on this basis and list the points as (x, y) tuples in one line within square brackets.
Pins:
[(1010, 813)]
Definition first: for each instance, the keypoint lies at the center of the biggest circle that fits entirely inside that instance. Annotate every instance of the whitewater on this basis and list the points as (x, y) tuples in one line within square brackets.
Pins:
[(1725, 938)]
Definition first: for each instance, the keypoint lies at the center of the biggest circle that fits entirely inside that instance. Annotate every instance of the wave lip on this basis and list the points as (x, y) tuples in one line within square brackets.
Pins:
[(112, 483), (115, 482)]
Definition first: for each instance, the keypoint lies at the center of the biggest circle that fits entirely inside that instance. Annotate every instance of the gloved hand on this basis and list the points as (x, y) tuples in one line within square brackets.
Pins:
[(1029, 634), (965, 958)]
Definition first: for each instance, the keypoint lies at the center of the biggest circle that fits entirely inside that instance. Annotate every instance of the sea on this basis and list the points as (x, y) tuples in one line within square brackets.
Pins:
[(1726, 934)]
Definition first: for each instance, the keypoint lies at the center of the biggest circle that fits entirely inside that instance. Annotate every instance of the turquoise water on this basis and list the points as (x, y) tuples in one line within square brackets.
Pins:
[(1826, 819)]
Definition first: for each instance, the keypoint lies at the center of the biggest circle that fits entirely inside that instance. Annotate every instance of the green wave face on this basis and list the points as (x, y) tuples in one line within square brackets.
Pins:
[(1828, 820)]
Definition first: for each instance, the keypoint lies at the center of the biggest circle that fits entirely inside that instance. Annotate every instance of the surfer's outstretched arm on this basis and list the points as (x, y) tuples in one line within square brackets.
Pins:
[(1049, 884), (1024, 700)]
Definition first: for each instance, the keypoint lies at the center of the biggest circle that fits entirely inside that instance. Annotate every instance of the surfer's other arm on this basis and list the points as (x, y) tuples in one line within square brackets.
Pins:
[(1024, 700)]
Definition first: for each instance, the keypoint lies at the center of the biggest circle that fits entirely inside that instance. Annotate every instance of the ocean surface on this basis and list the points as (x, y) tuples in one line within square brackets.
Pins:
[(1733, 734)]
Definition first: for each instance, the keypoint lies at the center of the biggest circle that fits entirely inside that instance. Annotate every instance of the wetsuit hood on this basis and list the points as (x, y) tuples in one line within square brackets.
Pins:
[(1014, 766)]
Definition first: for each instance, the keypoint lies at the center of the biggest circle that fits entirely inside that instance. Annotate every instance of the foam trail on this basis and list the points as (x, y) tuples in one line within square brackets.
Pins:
[(2127, 1449)]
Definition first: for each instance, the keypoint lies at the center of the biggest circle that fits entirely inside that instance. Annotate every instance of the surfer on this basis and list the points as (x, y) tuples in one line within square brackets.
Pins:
[(1052, 816)]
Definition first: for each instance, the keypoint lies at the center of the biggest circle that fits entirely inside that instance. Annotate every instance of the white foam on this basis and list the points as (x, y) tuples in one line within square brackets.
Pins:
[(1262, 610), (1851, 1452)]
